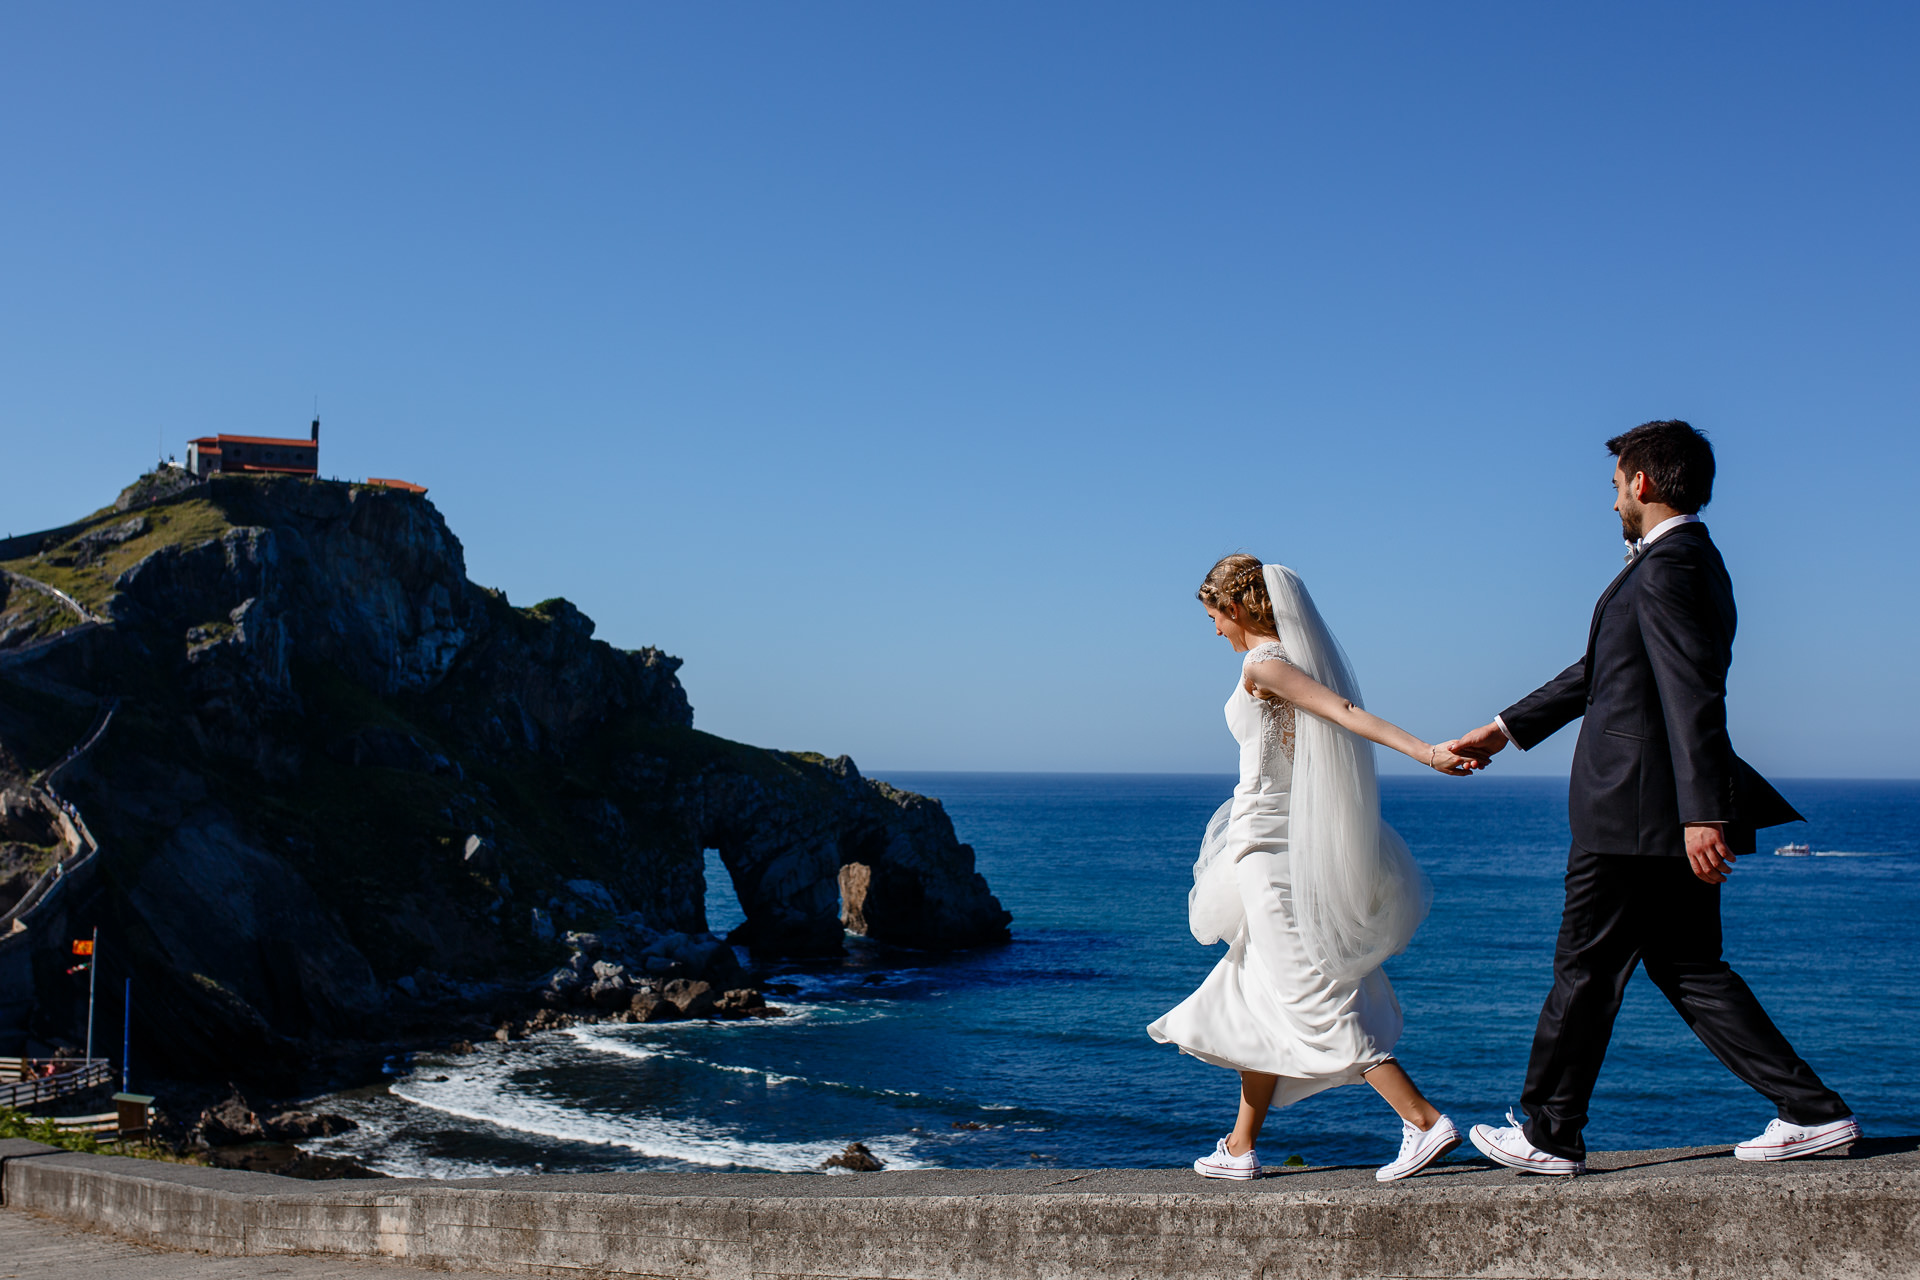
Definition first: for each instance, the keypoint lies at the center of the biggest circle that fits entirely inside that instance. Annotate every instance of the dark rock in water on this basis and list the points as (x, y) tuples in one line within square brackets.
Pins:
[(739, 1003), (327, 744), (693, 999), (546, 1020), (229, 1121), (610, 993), (856, 1157), (298, 1126), (460, 1047), (649, 1006)]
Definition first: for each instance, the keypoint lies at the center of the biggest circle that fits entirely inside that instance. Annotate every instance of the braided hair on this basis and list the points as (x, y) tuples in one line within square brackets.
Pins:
[(1238, 582)]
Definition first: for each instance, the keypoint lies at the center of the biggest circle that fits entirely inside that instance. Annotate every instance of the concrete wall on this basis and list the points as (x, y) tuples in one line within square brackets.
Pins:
[(1680, 1214)]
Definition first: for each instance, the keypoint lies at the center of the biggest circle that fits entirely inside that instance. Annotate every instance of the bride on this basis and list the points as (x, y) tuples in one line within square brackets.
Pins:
[(1299, 874)]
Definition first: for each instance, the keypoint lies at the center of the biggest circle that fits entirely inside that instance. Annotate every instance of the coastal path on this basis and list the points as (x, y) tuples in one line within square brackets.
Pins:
[(82, 847), (34, 584), (88, 621), (74, 868)]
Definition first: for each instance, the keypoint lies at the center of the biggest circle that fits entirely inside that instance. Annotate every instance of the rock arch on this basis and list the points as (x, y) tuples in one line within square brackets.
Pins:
[(816, 850)]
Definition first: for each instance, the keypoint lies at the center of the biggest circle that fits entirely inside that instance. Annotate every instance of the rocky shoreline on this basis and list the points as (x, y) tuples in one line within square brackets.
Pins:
[(625, 974)]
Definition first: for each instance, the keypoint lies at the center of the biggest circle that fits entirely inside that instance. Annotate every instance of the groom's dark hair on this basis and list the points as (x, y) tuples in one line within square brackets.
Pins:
[(1674, 456)]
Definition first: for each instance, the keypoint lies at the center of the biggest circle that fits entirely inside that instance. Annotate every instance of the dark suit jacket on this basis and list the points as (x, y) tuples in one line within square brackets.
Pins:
[(1653, 751)]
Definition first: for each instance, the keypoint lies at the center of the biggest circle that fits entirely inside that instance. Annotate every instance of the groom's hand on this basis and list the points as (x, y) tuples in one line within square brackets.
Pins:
[(1482, 744), (1708, 852)]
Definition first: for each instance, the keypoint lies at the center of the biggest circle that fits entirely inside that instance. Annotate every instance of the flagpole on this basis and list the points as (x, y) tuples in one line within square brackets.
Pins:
[(93, 972), (126, 1039)]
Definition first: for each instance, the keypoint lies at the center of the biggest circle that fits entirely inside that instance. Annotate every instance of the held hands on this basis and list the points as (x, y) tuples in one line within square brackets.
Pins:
[(1708, 852), (1468, 753), (1443, 759), (1482, 744)]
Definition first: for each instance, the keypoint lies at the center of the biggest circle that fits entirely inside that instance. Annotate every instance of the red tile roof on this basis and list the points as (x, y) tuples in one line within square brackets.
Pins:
[(406, 485), (292, 443)]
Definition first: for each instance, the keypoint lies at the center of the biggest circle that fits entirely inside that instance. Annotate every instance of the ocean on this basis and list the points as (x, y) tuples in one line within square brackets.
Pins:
[(1035, 1054)]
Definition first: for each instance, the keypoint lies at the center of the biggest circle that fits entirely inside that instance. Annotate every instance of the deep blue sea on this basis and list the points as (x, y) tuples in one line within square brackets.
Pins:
[(1035, 1053)]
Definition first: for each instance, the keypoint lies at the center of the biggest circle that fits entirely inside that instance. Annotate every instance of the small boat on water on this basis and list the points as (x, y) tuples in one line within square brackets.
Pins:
[(1794, 851)]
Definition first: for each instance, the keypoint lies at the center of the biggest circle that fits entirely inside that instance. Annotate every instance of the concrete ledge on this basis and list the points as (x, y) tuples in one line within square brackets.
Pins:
[(1685, 1213)]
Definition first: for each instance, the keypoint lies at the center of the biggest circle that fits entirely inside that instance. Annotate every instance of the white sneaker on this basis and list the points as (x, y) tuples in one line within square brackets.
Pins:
[(1418, 1150), (1221, 1164), (1787, 1141), (1509, 1146)]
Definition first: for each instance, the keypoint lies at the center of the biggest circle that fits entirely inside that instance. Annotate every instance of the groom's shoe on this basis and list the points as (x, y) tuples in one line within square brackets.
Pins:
[(1418, 1150), (1509, 1146), (1785, 1140), (1223, 1164)]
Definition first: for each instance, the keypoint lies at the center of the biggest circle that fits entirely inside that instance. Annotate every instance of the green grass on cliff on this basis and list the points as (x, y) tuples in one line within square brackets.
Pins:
[(185, 521), (25, 607)]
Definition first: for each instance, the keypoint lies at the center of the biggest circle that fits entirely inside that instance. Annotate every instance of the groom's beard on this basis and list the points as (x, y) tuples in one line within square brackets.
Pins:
[(1633, 522)]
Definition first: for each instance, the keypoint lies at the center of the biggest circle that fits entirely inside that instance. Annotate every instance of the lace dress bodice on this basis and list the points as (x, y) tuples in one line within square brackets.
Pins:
[(1264, 729), (1277, 717)]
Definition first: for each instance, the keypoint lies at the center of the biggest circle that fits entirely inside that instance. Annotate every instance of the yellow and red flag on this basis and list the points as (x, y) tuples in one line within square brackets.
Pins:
[(83, 946)]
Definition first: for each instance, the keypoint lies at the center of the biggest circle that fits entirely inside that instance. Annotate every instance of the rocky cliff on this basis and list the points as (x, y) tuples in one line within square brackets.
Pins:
[(342, 785)]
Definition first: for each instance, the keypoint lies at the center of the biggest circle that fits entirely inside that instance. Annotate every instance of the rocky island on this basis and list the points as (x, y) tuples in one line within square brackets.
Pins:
[(320, 794)]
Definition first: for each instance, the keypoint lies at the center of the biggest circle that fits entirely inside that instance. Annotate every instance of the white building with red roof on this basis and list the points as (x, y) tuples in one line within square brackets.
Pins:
[(209, 454)]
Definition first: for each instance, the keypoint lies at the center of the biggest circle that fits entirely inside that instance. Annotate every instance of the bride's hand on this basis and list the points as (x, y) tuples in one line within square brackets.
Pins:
[(1444, 761)]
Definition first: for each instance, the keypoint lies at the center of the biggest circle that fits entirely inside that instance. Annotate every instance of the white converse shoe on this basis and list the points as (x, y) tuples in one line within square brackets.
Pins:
[(1418, 1150), (1223, 1165), (1784, 1140), (1509, 1146)]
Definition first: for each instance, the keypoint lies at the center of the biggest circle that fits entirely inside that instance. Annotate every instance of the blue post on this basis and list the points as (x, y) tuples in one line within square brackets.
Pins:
[(126, 1039)]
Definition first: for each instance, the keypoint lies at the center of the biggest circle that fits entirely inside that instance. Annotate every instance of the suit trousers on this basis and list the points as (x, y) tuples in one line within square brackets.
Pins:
[(1623, 910)]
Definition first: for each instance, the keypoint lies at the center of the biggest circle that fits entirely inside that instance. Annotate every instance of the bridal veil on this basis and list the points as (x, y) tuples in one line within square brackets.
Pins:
[(1358, 893)]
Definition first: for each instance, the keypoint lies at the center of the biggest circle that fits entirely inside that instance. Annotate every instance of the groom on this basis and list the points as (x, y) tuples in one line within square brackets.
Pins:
[(1660, 807)]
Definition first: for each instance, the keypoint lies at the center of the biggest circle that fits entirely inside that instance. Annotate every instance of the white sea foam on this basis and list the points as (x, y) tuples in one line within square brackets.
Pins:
[(622, 1046), (475, 1097), (383, 1156)]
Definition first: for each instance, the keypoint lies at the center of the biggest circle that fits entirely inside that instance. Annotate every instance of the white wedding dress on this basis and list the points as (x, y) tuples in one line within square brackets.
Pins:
[(1268, 1005)]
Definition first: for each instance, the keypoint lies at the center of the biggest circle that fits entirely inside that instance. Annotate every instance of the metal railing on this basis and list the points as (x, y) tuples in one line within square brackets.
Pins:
[(69, 1076)]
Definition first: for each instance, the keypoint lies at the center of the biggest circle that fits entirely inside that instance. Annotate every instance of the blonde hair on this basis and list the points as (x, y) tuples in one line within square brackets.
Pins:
[(1237, 583)]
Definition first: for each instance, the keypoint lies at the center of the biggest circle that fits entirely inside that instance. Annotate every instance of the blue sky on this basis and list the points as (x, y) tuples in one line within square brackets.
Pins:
[(902, 367)]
